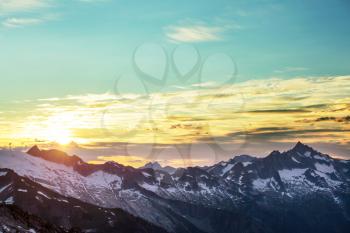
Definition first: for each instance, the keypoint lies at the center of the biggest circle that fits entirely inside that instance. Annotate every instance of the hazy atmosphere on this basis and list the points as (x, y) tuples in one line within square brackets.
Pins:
[(228, 116), (135, 82)]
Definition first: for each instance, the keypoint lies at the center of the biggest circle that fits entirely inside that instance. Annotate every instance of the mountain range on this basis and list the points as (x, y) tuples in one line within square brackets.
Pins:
[(299, 190)]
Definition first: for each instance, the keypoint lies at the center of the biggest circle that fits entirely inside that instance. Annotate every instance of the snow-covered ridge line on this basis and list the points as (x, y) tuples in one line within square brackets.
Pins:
[(75, 161), (289, 174)]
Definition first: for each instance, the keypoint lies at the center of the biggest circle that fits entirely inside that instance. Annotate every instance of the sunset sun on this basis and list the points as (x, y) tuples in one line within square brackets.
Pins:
[(61, 136)]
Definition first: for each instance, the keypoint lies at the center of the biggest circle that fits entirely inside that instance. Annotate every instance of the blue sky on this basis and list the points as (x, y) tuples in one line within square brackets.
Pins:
[(74, 71), (81, 46)]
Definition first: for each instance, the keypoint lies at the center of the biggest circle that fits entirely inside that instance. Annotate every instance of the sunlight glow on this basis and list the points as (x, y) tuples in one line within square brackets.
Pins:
[(61, 136), (191, 116)]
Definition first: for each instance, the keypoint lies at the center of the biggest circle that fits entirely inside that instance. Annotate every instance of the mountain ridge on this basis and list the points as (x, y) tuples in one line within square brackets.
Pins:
[(74, 214), (53, 155), (249, 186)]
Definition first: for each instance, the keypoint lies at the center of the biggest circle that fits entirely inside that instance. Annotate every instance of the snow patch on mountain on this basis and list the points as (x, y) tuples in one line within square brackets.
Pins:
[(9, 201), (246, 163), (291, 174), (227, 168), (3, 173), (295, 160), (5, 187), (146, 174), (319, 157), (149, 187), (260, 184), (325, 168), (44, 195)]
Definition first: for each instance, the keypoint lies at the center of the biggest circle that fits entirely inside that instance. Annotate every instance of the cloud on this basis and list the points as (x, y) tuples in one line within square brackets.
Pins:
[(127, 160), (194, 33), (276, 135), (20, 13), (9, 6), (345, 119), (93, 1), (20, 22), (292, 133), (291, 69), (17, 22), (204, 84), (255, 111), (278, 111), (325, 119)]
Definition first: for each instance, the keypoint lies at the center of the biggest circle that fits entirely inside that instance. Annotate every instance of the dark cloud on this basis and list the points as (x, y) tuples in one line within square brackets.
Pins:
[(303, 109), (292, 98), (291, 133), (272, 134), (320, 106), (326, 119), (186, 126), (272, 128), (279, 111), (345, 119)]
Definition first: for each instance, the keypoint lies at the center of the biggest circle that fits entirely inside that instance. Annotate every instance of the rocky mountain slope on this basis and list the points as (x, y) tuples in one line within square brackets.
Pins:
[(15, 220), (292, 191), (70, 214)]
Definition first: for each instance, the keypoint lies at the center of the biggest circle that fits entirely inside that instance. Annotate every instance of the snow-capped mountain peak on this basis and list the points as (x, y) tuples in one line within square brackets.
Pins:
[(153, 165), (157, 167), (153, 193), (54, 155)]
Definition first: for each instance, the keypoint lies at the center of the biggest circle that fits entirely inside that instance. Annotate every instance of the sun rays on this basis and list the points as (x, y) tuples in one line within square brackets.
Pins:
[(312, 109)]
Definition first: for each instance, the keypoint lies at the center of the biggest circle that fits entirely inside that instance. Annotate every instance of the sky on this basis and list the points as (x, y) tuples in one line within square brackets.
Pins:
[(182, 83)]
